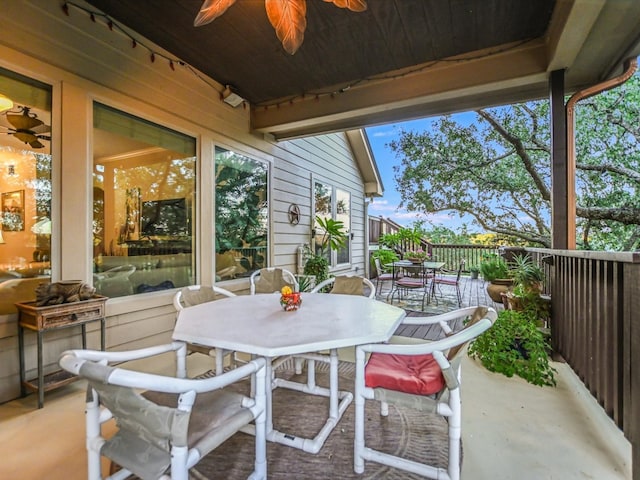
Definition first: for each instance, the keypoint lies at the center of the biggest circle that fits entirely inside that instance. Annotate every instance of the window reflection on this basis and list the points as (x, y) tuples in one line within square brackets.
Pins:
[(242, 215), (323, 209), (25, 186), (343, 214), (144, 184)]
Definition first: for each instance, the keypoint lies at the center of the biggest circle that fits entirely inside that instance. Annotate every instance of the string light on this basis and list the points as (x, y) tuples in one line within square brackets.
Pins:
[(172, 62)]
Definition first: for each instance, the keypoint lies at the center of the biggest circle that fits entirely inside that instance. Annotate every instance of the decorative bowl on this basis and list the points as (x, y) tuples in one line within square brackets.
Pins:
[(291, 301)]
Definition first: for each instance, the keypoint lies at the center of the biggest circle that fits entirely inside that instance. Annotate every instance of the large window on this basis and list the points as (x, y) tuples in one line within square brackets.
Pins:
[(144, 183), (25, 186), (242, 215), (334, 203)]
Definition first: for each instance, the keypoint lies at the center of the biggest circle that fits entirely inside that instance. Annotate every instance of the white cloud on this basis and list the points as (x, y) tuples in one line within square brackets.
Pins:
[(382, 206), (383, 133), (404, 218)]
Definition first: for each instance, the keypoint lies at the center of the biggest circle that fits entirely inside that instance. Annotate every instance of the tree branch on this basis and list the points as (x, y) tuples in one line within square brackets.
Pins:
[(627, 172), (520, 150)]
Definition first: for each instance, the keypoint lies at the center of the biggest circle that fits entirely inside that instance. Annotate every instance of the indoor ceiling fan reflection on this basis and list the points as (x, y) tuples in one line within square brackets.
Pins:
[(27, 127)]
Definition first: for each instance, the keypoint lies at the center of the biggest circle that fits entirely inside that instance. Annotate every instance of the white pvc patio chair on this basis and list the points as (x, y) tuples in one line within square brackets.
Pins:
[(271, 280), (424, 376), (195, 295), (168, 429), (344, 285)]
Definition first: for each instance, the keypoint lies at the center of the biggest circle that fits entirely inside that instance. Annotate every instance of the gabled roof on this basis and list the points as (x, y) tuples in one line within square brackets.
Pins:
[(400, 59), (366, 162)]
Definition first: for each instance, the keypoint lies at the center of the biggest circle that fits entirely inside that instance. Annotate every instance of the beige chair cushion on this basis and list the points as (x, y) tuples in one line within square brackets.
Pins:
[(348, 286), (191, 297), (271, 281)]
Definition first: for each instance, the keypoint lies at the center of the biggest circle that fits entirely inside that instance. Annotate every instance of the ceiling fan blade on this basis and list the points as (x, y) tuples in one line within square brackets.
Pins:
[(25, 137), (44, 128), (36, 144)]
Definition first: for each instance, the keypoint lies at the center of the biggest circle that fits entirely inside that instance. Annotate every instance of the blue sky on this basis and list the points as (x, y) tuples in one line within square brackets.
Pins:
[(388, 205)]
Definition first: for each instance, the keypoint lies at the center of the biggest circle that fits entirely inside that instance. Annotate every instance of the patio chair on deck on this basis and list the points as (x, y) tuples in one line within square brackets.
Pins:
[(195, 295), (423, 376), (417, 280), (382, 276), (168, 429), (443, 280), (271, 280)]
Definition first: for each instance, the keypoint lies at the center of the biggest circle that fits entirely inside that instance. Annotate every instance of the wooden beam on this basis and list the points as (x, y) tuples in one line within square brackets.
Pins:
[(411, 92)]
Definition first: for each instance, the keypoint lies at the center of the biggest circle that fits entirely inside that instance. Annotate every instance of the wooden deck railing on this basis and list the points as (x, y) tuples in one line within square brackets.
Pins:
[(595, 326), (452, 254)]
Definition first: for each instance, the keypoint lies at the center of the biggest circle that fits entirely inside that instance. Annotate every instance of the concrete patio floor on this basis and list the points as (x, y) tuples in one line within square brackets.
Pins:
[(511, 429)]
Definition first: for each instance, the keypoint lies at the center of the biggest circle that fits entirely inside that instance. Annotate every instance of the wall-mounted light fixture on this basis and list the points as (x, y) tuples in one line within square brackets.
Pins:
[(11, 169), (231, 98)]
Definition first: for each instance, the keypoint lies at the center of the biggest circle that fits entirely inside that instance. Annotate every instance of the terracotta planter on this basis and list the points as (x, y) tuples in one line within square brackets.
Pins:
[(415, 260), (497, 287)]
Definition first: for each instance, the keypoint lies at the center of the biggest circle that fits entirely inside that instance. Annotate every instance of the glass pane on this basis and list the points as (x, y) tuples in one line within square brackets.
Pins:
[(144, 183), (343, 214), (25, 183), (242, 215), (323, 209)]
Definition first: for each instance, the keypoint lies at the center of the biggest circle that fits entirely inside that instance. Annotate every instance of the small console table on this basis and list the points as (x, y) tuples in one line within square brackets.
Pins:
[(55, 317)]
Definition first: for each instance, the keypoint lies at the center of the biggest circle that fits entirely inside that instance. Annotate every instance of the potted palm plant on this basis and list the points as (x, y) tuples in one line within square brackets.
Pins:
[(333, 238), (528, 278)]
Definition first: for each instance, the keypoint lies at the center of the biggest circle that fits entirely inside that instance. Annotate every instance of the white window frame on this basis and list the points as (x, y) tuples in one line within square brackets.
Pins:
[(333, 262)]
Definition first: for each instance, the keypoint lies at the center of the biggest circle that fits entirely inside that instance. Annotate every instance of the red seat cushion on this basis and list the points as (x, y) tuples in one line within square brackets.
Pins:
[(417, 374), (410, 282)]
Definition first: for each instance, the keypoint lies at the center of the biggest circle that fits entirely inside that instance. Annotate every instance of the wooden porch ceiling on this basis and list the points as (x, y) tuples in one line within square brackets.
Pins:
[(400, 59)]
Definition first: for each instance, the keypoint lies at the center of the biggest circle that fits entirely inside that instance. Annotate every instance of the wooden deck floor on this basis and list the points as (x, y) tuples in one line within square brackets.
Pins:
[(473, 293)]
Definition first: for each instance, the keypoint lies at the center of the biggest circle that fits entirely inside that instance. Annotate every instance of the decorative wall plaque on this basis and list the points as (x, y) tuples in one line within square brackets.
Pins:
[(294, 214)]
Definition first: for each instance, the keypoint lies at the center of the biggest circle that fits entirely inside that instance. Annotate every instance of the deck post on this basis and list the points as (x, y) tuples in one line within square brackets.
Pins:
[(562, 175)]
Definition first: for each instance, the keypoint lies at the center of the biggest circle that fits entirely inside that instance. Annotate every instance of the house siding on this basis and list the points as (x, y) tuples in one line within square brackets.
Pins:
[(85, 62)]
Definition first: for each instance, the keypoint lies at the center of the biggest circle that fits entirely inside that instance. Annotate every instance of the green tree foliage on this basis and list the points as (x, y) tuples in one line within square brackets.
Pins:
[(497, 170)]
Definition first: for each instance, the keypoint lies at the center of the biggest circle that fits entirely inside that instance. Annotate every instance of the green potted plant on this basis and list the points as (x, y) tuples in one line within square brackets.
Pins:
[(333, 238), (528, 278), (417, 255), (527, 274), (495, 270), (515, 346), (474, 271)]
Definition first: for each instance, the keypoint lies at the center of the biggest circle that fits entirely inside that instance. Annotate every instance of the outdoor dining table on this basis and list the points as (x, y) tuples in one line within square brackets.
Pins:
[(410, 268), (258, 325)]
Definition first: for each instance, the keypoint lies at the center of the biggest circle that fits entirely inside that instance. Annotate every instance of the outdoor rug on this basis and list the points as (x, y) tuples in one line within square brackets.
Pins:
[(405, 432)]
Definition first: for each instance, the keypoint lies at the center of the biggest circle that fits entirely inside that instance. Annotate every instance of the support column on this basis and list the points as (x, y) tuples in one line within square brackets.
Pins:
[(563, 209)]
